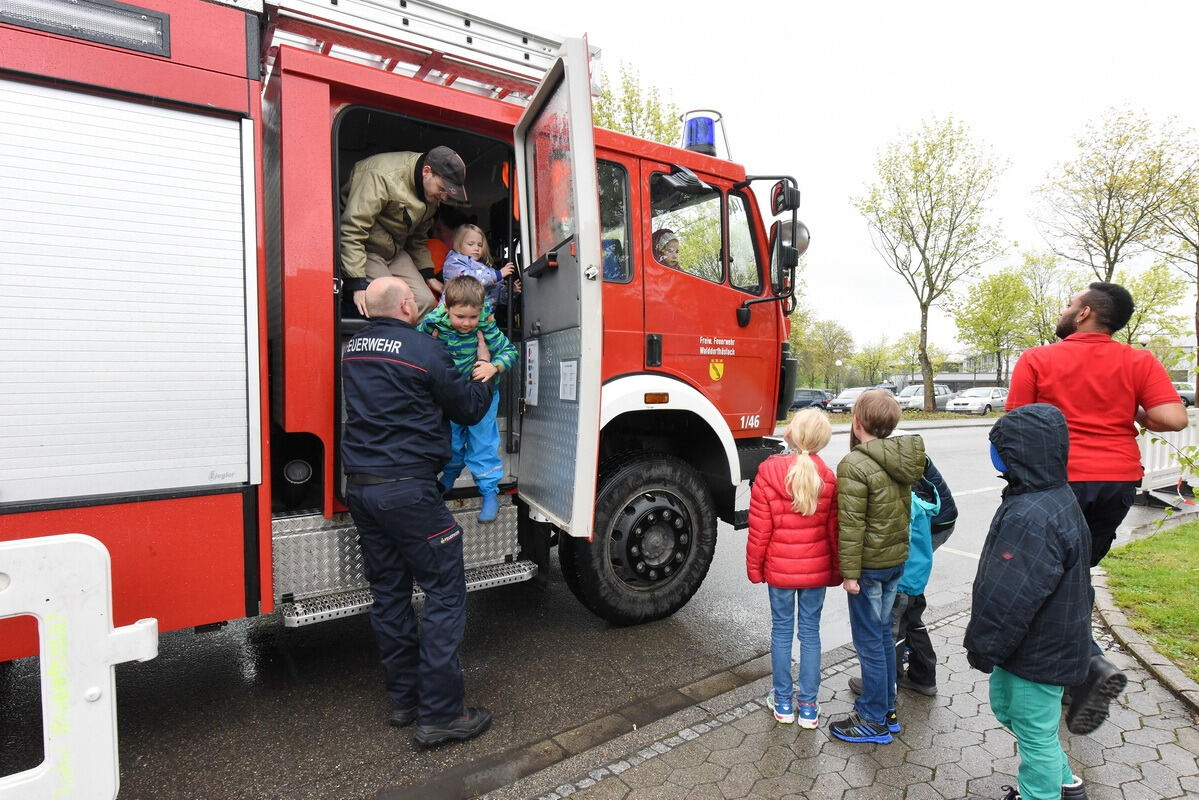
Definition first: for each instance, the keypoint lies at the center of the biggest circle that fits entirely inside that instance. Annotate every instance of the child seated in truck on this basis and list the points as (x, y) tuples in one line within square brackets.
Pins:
[(458, 322), (471, 256)]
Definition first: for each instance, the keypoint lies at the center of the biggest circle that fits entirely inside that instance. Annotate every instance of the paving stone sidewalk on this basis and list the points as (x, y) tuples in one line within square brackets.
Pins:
[(951, 746)]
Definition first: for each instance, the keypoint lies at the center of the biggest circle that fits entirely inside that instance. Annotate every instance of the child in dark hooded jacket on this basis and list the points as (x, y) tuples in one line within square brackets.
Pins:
[(1030, 618)]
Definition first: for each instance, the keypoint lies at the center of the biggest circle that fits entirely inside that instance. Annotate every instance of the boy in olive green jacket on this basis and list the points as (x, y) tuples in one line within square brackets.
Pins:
[(874, 507)]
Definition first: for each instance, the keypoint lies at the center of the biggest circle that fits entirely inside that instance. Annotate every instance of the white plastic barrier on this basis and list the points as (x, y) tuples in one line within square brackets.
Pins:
[(65, 582), (1160, 458)]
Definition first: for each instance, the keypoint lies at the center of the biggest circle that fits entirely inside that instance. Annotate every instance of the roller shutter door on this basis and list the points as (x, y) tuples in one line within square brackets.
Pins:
[(124, 309)]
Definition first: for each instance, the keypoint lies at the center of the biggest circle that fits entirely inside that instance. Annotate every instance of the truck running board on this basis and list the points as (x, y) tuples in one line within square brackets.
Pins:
[(322, 609)]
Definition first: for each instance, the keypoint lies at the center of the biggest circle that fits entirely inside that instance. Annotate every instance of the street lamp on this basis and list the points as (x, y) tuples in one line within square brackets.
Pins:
[(1144, 340), (837, 377)]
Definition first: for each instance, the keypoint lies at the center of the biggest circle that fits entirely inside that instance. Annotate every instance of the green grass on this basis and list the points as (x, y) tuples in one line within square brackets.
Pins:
[(1154, 580)]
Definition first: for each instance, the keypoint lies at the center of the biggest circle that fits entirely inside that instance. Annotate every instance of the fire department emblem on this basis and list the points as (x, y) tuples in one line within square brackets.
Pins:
[(716, 369)]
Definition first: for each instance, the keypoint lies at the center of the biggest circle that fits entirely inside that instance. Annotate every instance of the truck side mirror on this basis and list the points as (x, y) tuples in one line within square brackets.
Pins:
[(788, 242), (783, 197)]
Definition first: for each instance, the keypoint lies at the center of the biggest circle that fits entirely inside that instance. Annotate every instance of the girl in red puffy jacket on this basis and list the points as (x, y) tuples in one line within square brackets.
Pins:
[(792, 546)]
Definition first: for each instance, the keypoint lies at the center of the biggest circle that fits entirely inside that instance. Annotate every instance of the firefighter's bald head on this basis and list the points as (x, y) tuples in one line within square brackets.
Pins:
[(390, 297)]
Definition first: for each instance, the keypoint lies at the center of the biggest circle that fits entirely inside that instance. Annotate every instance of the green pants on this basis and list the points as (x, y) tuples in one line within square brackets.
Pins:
[(1032, 711)]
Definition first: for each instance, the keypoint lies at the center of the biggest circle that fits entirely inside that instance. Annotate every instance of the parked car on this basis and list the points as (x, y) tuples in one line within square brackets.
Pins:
[(1187, 392), (912, 397), (811, 397), (978, 400), (843, 403)]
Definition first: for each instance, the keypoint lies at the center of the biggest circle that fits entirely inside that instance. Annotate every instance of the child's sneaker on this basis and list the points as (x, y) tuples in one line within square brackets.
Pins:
[(809, 715), (855, 729), (783, 708), (893, 722)]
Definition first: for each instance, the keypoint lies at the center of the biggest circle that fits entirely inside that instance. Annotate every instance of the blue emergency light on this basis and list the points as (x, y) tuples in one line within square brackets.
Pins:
[(700, 135)]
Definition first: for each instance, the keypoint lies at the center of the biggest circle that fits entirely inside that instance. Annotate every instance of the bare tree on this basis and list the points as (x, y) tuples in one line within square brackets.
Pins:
[(1105, 205), (927, 216)]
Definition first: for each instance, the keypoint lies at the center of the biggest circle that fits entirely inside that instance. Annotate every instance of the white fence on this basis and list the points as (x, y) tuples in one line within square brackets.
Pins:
[(1159, 453), (65, 581)]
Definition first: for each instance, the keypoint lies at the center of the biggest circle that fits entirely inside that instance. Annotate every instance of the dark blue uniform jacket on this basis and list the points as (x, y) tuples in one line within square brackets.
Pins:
[(401, 390), (1031, 613)]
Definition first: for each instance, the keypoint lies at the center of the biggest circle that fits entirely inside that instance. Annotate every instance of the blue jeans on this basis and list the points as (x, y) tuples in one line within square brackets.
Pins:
[(783, 603), (870, 623), (477, 447)]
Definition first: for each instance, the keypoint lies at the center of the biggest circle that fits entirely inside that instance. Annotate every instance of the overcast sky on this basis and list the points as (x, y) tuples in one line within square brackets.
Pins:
[(816, 89)]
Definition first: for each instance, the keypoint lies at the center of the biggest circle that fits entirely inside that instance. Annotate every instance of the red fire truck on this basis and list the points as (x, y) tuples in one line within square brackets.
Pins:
[(172, 316)]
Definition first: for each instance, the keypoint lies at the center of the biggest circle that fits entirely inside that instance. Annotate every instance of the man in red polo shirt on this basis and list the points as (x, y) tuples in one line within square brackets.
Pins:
[(1102, 387)]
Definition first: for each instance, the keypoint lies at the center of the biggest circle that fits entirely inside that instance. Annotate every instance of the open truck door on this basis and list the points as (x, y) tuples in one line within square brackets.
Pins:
[(562, 323)]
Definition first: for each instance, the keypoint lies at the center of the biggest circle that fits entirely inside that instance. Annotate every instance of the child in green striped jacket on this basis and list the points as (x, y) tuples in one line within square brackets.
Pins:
[(463, 322)]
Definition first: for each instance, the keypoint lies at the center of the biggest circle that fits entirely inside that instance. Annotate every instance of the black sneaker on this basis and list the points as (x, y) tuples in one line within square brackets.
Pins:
[(1091, 701), (893, 722), (1012, 794), (468, 726), (1075, 791), (855, 729), (402, 717), (928, 690)]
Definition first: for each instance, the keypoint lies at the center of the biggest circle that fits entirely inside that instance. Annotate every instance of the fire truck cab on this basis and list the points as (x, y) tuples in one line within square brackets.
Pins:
[(172, 192)]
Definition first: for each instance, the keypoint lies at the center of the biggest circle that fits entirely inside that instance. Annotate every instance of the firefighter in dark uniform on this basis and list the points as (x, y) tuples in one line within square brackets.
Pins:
[(401, 391)]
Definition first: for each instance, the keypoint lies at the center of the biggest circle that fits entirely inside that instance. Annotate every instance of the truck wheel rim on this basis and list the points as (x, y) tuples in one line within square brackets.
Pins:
[(650, 539)]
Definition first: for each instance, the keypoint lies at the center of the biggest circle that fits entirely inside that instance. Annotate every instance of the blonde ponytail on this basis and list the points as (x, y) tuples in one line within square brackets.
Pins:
[(808, 433)]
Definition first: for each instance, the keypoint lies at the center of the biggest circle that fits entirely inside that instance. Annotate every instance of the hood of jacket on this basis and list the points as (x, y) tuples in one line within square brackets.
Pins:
[(1034, 444), (901, 457)]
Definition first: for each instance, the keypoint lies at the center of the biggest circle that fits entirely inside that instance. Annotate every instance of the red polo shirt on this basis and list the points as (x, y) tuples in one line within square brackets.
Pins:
[(1097, 383)]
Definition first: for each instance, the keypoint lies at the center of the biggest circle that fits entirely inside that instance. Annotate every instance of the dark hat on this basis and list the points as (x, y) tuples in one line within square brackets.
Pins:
[(451, 168)]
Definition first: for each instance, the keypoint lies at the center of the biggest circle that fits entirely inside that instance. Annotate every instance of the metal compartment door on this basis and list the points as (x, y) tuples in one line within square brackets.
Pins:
[(563, 319)]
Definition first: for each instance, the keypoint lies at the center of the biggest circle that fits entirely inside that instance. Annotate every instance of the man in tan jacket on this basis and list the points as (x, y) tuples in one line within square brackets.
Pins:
[(387, 212)]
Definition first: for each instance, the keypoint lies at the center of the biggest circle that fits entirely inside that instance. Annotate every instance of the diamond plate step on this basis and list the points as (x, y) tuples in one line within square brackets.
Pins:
[(321, 609)]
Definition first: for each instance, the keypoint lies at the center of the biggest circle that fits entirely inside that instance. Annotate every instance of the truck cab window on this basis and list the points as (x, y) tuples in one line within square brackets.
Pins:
[(614, 220), (695, 219), (744, 273)]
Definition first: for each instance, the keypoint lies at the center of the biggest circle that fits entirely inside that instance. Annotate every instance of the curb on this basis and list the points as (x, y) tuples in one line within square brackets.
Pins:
[(917, 425), (1162, 668)]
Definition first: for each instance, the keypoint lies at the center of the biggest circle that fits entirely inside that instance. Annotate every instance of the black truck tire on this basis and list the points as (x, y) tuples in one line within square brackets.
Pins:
[(655, 537)]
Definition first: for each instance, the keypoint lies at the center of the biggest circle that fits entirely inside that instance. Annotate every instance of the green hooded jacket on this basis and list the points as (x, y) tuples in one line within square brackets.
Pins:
[(874, 498)]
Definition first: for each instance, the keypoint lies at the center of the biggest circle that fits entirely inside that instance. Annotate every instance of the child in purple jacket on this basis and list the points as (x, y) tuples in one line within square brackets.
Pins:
[(471, 256)]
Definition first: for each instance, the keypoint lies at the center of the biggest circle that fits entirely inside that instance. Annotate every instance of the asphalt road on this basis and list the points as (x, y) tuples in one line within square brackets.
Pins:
[(258, 711)]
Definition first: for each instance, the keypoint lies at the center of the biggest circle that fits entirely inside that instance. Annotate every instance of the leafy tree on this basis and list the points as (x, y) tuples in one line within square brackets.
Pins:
[(1178, 220), (906, 355), (873, 361), (1050, 285), (927, 216), (995, 317), (636, 110), (830, 341), (1156, 292), (1104, 206)]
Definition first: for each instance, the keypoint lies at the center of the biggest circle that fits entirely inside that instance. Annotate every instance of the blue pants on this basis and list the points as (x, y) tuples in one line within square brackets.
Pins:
[(870, 624), (477, 447), (1032, 711), (407, 532), (783, 603)]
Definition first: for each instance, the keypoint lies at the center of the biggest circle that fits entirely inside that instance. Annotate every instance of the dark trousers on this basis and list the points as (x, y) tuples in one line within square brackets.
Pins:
[(912, 634), (407, 533), (1104, 505)]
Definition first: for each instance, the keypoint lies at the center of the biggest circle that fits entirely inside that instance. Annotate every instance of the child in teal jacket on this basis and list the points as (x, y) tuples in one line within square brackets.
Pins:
[(463, 322)]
